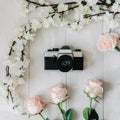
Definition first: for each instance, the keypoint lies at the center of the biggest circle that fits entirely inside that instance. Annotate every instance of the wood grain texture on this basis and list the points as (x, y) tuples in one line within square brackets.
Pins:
[(97, 65)]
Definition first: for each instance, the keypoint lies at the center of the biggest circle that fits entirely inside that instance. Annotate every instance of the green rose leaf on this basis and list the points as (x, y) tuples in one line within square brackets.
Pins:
[(69, 114), (86, 113), (94, 115), (90, 114), (112, 1), (47, 119), (117, 48)]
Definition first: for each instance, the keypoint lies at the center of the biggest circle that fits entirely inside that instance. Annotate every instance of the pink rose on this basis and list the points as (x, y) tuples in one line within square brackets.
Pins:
[(117, 37), (94, 88), (108, 42), (35, 105), (58, 93)]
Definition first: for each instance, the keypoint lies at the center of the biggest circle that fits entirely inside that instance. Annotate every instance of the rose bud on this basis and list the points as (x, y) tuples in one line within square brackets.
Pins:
[(58, 93), (94, 88), (108, 42), (35, 105)]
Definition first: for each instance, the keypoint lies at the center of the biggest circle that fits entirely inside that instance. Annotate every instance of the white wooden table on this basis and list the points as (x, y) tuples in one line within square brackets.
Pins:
[(105, 67)]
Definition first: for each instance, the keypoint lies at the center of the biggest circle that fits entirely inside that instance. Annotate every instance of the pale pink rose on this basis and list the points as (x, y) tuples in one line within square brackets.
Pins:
[(117, 37), (58, 93), (35, 105), (108, 42), (94, 88)]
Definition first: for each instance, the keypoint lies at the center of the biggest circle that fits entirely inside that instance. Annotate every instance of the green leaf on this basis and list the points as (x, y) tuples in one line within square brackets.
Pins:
[(90, 114), (47, 119), (93, 115), (117, 48), (69, 114), (86, 113), (112, 1)]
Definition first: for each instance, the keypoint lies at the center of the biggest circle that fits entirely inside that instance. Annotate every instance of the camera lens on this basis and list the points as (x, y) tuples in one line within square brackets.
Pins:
[(65, 63)]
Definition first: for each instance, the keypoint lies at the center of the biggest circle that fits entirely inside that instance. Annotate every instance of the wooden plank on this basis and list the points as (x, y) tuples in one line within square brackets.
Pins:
[(10, 20), (86, 40), (40, 79), (111, 83)]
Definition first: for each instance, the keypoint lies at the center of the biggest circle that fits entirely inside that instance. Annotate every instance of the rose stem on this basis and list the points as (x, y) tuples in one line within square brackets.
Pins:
[(91, 103), (42, 116), (61, 110)]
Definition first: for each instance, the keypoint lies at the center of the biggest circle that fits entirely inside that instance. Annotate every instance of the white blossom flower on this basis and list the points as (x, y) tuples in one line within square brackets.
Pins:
[(50, 9), (35, 24), (11, 43), (16, 69), (29, 36), (14, 81), (32, 7), (26, 62), (20, 31), (24, 12), (24, 41), (62, 7), (57, 19), (91, 2), (63, 23), (41, 2), (23, 63), (77, 25), (115, 7), (9, 61), (80, 26), (19, 46), (19, 72), (21, 81), (17, 53), (23, 3), (11, 82), (74, 25), (81, 11), (108, 1), (47, 22)]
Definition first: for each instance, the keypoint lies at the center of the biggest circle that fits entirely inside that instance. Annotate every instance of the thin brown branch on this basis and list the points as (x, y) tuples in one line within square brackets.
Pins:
[(7, 70), (71, 8), (100, 2), (97, 14), (11, 49), (53, 5), (104, 4), (22, 53), (10, 94), (115, 14), (102, 13)]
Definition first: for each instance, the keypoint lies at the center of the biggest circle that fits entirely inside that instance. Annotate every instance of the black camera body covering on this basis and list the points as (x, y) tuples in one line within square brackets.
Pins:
[(63, 59)]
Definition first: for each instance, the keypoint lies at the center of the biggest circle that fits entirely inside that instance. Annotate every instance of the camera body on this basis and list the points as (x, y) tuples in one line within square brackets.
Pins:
[(63, 59)]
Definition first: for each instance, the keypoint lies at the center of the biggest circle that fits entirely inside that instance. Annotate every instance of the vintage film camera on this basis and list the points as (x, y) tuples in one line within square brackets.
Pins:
[(63, 59)]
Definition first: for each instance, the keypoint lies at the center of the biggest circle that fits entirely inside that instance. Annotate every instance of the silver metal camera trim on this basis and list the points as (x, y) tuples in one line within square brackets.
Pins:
[(63, 52)]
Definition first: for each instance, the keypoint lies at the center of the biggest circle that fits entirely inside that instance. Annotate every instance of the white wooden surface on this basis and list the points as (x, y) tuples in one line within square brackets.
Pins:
[(105, 67)]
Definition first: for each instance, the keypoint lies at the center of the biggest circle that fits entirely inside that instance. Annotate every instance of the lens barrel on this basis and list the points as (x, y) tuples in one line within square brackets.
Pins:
[(65, 63)]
